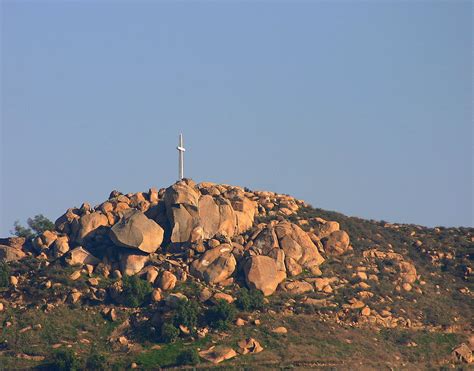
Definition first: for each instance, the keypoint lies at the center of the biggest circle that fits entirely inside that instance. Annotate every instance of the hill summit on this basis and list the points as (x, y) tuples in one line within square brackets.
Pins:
[(206, 264)]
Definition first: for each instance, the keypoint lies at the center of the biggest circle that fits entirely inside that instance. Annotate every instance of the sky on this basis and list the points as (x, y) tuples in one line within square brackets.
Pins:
[(359, 107)]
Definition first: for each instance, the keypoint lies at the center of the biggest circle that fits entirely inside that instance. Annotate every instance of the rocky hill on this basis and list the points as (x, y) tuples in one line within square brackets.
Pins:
[(200, 273)]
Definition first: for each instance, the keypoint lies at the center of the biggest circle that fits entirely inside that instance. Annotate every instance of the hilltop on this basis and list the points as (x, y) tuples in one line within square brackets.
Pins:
[(200, 273)]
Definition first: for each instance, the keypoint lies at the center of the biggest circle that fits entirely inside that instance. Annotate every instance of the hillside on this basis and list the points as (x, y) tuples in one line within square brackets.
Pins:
[(199, 274)]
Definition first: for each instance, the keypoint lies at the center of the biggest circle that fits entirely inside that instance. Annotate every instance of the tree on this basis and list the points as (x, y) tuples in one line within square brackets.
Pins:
[(37, 225), (4, 275), (135, 290), (220, 315)]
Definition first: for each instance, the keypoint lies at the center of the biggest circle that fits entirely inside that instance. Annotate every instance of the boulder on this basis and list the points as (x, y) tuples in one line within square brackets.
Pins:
[(181, 201), (167, 281), (337, 243), (136, 231), (244, 210), (217, 216), (324, 228), (87, 225), (407, 272), (8, 253), (217, 354), (292, 267), (60, 246), (250, 345), (462, 353), (48, 237), (297, 287), (79, 256), (280, 330), (297, 245), (215, 265), (261, 273), (16, 242), (132, 263), (156, 295), (63, 223)]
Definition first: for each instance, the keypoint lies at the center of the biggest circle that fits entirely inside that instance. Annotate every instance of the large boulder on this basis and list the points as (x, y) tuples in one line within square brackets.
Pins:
[(60, 246), (244, 209), (16, 242), (182, 200), (261, 273), (299, 251), (337, 243), (217, 216), (215, 265), (9, 253), (63, 223), (132, 263), (86, 226), (136, 231), (79, 256), (324, 228), (297, 245)]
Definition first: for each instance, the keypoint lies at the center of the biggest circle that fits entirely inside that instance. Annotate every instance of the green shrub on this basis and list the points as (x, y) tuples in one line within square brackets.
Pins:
[(96, 362), (249, 300), (186, 314), (135, 290), (188, 357), (4, 275), (220, 315), (65, 360), (169, 333)]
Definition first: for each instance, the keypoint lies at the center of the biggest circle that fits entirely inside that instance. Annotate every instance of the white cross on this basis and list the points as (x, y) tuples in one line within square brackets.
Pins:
[(181, 151)]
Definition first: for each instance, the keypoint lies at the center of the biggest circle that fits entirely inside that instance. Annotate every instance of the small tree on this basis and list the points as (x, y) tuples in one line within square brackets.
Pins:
[(65, 360), (20, 231), (169, 333), (4, 275), (188, 357), (37, 225), (96, 362), (135, 290), (220, 315), (186, 314), (249, 300)]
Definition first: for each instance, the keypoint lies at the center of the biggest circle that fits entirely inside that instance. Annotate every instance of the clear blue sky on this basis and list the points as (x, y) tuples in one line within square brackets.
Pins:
[(359, 107)]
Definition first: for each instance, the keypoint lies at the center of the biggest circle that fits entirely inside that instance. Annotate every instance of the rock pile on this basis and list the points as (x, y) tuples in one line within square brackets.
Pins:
[(209, 231)]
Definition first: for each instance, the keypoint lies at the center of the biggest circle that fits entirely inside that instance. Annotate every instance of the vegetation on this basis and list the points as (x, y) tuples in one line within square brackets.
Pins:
[(135, 291), (188, 357), (36, 225), (186, 314), (220, 315), (249, 300), (65, 360), (169, 333), (4, 275), (96, 362)]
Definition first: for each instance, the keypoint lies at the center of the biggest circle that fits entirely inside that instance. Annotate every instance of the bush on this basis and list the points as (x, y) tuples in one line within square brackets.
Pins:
[(249, 300), (188, 357), (4, 275), (96, 361), (169, 333), (186, 314), (65, 360), (37, 225), (135, 290), (220, 315)]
